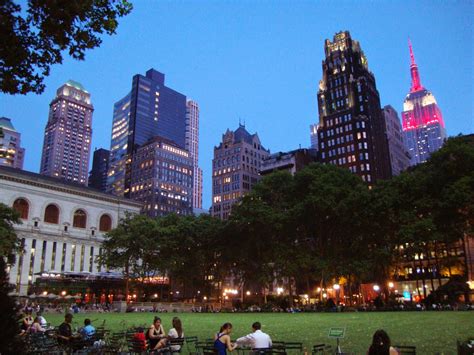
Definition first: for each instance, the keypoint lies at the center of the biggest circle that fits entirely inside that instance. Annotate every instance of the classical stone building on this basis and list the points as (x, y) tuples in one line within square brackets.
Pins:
[(63, 224)]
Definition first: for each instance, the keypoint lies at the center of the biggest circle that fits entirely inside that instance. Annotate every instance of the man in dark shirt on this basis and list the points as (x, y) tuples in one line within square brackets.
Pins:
[(65, 330)]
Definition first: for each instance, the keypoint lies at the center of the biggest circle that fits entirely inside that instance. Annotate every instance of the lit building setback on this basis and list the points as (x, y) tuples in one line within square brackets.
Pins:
[(68, 133), (192, 145), (351, 131), (162, 178), (150, 109), (423, 125), (399, 157), (11, 152), (235, 169)]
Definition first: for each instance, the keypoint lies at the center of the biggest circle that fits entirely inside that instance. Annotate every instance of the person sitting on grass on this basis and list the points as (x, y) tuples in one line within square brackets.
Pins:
[(222, 341), (155, 334), (381, 344)]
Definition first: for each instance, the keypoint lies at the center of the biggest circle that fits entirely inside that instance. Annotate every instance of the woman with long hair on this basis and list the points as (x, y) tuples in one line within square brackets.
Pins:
[(222, 341), (381, 344), (175, 333)]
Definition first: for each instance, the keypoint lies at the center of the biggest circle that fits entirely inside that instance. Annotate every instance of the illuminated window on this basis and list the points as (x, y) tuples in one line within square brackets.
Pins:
[(51, 214), (80, 219), (105, 223), (22, 207)]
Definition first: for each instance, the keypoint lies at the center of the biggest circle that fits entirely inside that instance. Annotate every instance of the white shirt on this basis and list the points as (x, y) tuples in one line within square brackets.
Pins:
[(173, 333), (256, 340), (42, 321)]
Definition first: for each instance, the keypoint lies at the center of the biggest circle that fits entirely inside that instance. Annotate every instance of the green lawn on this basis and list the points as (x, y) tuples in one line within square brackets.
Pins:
[(430, 332)]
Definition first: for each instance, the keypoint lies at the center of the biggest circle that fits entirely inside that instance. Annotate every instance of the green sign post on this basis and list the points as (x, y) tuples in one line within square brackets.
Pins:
[(338, 333)]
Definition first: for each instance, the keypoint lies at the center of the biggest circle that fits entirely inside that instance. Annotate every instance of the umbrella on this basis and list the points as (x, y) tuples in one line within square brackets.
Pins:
[(52, 295), (32, 296)]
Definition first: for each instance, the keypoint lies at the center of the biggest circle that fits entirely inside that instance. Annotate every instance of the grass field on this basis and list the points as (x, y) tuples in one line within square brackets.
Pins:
[(430, 332)]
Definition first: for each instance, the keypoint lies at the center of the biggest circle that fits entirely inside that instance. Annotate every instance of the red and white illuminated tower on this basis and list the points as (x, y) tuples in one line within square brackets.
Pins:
[(423, 127)]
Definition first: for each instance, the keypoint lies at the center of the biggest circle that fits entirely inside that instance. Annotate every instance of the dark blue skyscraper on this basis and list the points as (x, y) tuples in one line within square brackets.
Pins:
[(150, 109), (100, 167)]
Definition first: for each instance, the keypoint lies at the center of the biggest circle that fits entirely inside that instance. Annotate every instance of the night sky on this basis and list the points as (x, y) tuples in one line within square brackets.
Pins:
[(260, 61)]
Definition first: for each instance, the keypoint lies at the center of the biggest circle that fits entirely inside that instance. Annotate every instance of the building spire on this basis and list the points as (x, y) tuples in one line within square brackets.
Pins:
[(415, 75)]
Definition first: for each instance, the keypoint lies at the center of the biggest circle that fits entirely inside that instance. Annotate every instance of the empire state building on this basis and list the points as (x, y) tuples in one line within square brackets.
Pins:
[(423, 126)]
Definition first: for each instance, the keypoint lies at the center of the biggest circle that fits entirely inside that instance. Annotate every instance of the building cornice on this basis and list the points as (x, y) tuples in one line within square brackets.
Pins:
[(61, 187)]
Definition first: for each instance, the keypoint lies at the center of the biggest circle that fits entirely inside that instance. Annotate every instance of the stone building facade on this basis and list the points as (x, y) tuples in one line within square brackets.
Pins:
[(63, 224)]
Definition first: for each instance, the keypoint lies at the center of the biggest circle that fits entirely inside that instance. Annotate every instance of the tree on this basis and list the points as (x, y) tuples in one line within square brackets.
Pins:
[(9, 243), (191, 248), (9, 326), (131, 248), (35, 39), (255, 231), (328, 206)]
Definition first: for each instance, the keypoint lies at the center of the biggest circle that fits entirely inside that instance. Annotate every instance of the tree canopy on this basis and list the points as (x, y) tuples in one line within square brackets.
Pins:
[(322, 226), (35, 38)]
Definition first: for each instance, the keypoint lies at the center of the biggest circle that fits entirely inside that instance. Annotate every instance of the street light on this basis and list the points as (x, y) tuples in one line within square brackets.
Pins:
[(390, 284), (376, 288), (336, 287), (248, 293)]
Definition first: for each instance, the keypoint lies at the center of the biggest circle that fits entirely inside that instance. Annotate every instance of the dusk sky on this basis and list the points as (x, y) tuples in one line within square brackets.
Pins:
[(260, 61)]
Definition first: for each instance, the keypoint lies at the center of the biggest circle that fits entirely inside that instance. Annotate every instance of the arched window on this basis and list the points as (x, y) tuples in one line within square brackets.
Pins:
[(105, 223), (51, 214), (80, 219), (22, 207)]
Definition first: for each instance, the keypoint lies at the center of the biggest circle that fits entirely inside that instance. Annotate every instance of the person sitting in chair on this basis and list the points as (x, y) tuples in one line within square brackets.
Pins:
[(88, 331), (257, 339), (381, 344)]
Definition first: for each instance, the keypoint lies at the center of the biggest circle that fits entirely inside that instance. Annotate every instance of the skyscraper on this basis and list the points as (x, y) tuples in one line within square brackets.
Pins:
[(423, 125), (314, 136), (68, 133), (150, 109), (235, 169), (192, 145), (399, 157), (100, 167), (351, 125), (162, 178), (11, 152)]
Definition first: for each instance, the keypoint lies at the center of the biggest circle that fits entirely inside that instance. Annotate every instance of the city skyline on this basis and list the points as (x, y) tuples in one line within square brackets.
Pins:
[(263, 96)]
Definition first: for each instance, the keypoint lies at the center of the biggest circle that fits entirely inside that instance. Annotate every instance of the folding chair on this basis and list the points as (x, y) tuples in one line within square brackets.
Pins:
[(321, 349)]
